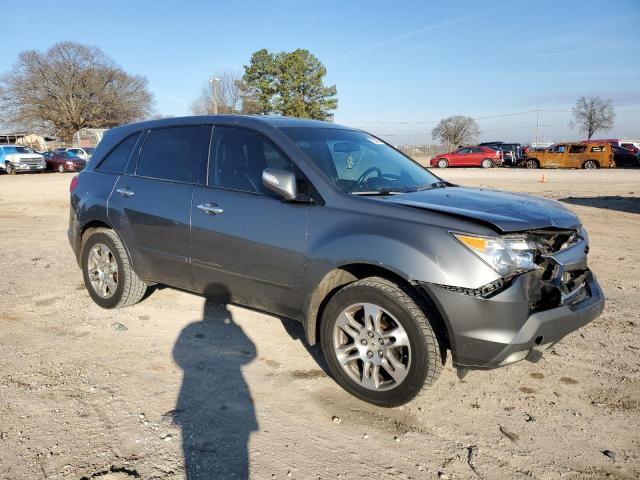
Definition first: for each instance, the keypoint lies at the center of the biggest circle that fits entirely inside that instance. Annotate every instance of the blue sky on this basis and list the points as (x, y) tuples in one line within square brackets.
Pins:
[(398, 66)]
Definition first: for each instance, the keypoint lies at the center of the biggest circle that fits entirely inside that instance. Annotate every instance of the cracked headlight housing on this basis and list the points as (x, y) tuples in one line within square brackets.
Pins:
[(506, 255)]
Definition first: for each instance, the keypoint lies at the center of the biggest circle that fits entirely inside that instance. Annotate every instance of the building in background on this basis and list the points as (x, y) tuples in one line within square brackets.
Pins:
[(28, 139), (88, 137)]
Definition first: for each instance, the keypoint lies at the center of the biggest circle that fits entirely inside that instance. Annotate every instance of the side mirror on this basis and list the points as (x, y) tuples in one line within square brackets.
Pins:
[(281, 182)]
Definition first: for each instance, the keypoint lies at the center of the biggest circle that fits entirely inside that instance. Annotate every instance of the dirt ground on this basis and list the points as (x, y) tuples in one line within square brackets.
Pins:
[(179, 381)]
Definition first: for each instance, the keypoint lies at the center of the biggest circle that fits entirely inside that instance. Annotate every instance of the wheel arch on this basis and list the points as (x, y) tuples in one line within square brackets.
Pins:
[(347, 273), (97, 225)]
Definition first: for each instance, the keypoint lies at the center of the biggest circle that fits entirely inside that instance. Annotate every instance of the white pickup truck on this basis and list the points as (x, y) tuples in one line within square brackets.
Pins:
[(17, 158)]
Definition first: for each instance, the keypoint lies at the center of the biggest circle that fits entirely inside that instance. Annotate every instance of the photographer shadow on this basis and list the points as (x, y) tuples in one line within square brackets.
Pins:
[(215, 410)]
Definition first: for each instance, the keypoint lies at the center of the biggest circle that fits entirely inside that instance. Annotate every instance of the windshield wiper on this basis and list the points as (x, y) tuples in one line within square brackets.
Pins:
[(386, 191)]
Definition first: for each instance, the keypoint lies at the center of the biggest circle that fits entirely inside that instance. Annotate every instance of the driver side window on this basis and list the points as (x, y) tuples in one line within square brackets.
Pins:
[(238, 156)]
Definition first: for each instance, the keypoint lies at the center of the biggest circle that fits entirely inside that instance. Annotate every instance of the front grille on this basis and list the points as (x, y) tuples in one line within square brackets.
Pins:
[(30, 161), (552, 284)]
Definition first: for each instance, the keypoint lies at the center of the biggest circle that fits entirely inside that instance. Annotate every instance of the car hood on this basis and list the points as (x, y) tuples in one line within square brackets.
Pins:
[(507, 212)]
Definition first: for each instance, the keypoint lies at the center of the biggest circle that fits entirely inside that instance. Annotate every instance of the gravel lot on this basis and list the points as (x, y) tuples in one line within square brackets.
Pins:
[(177, 380)]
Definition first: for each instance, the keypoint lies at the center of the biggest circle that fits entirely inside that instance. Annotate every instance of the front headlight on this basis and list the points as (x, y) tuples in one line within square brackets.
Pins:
[(506, 255)]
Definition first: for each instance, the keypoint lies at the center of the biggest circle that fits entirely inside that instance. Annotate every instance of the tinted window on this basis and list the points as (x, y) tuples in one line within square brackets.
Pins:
[(171, 153), (477, 150), (117, 160), (239, 156), (599, 148)]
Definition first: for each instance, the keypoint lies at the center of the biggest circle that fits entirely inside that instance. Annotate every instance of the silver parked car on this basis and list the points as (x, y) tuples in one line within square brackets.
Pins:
[(387, 266), (85, 153)]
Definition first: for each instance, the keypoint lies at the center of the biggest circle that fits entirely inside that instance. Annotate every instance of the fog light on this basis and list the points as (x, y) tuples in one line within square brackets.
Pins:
[(515, 357)]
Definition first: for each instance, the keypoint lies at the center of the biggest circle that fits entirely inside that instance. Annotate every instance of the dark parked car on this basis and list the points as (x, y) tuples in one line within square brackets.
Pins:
[(513, 152), (64, 162), (624, 157), (473, 156), (385, 264)]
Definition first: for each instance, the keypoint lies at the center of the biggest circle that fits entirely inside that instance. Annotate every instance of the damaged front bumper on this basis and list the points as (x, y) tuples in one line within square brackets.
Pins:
[(523, 317)]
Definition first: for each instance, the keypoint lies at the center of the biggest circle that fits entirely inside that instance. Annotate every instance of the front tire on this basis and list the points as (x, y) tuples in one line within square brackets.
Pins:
[(531, 163), (61, 168), (443, 163), (106, 268), (9, 168), (486, 163), (378, 343)]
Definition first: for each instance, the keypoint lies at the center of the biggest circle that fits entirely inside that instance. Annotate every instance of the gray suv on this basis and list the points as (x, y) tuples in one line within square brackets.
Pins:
[(387, 266)]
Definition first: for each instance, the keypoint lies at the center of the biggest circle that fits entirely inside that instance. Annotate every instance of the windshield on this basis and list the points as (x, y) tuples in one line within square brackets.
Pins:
[(360, 164), (67, 155)]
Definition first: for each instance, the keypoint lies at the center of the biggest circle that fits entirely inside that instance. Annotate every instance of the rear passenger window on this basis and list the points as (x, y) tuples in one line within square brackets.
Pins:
[(577, 148), (171, 154), (117, 160), (238, 157)]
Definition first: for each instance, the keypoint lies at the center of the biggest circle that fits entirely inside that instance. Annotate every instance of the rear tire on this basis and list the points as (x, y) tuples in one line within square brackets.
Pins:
[(590, 165), (443, 163), (129, 288), (486, 163), (531, 163), (399, 350)]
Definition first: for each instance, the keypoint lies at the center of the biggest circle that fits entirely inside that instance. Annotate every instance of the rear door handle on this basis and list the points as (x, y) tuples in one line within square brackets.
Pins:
[(125, 192), (210, 209)]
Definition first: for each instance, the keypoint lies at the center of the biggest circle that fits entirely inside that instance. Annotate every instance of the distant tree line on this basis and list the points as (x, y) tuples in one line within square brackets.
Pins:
[(72, 86), (592, 114)]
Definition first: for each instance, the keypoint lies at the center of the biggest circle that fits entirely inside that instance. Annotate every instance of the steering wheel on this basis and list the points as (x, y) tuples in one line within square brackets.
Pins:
[(365, 174)]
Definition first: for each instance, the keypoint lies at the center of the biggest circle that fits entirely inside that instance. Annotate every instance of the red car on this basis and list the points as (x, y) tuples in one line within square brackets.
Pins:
[(64, 162), (484, 157)]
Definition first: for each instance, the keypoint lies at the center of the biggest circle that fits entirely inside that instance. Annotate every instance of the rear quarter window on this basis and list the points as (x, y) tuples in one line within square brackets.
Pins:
[(116, 160), (598, 148)]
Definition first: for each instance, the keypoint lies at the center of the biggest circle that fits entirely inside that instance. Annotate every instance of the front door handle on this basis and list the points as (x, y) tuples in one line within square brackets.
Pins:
[(125, 192), (210, 209)]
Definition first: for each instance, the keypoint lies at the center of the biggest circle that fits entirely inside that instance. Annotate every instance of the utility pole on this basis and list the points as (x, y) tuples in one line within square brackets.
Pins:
[(537, 126), (214, 91)]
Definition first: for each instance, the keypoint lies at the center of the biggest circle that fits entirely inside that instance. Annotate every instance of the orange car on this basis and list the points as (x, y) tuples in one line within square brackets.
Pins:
[(572, 155)]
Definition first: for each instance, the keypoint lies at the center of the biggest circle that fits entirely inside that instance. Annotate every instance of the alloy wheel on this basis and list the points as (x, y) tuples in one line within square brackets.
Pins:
[(103, 270), (372, 346), (590, 165)]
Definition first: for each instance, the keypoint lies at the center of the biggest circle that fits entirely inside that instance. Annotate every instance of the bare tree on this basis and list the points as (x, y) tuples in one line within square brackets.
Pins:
[(229, 95), (455, 130), (593, 114), (69, 87)]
